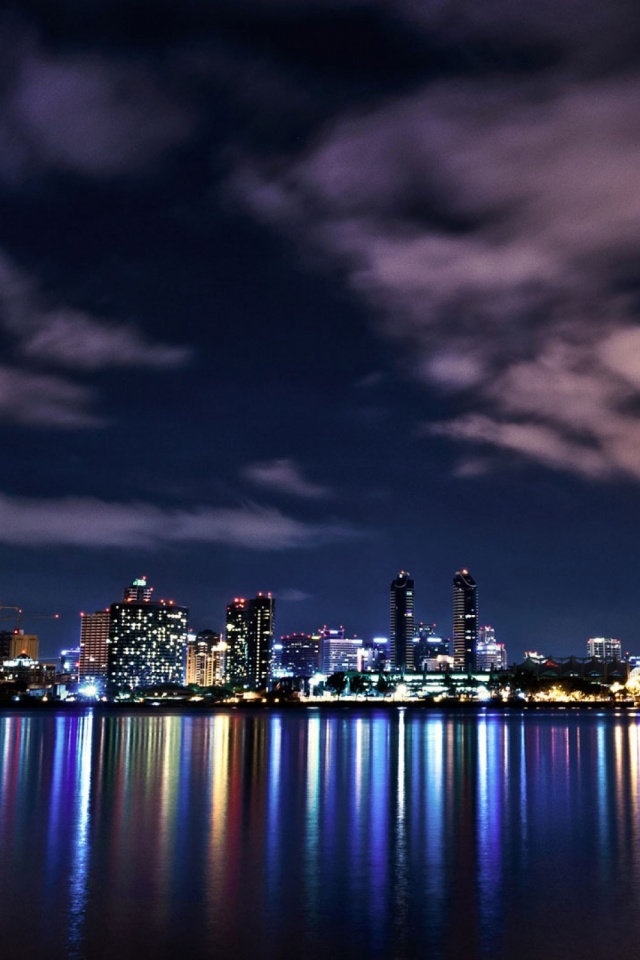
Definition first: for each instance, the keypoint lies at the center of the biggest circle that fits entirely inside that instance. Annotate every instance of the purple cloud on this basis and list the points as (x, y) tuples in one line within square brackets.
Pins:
[(71, 338), (92, 115), (286, 477), (92, 523), (491, 229), (39, 399)]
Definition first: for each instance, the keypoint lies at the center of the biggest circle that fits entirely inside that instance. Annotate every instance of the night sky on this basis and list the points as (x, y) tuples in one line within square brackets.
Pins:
[(296, 294)]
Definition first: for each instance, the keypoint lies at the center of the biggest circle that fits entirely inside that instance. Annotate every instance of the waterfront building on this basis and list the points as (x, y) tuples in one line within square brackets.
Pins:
[(236, 634), (605, 648), (249, 637), (94, 646), (489, 653), (298, 654), (261, 615), (465, 621), (338, 653), (37, 675), (402, 622), (146, 640), (206, 655)]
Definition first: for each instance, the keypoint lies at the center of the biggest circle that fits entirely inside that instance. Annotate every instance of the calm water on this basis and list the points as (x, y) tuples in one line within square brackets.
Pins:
[(306, 835)]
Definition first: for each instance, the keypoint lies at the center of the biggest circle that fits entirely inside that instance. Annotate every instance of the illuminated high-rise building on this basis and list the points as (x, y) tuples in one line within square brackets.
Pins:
[(465, 621), (402, 622), (206, 654), (146, 640), (94, 646), (236, 636), (260, 639)]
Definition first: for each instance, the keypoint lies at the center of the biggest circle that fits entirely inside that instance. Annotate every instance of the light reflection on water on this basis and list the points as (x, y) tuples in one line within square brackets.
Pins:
[(348, 833)]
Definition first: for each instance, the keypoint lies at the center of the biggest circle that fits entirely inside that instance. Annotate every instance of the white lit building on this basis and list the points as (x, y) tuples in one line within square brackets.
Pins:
[(605, 648), (490, 653), (337, 652)]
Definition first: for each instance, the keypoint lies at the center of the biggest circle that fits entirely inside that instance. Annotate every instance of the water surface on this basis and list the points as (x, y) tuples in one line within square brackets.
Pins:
[(317, 834)]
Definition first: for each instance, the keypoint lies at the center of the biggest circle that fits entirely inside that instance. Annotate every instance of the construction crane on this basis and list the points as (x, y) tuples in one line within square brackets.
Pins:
[(19, 613)]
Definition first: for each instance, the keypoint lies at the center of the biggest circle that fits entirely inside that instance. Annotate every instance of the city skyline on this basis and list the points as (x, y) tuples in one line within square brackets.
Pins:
[(463, 637), (297, 295)]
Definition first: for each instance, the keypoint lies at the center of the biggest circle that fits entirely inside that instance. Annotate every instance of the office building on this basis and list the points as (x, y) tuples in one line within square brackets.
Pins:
[(338, 653), (261, 614), (402, 622), (465, 621), (206, 656), (605, 648), (94, 646), (298, 654), (146, 640), (490, 655), (249, 637), (236, 636), (17, 643)]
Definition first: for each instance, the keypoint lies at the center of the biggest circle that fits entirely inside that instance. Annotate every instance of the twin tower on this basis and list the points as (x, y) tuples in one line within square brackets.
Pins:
[(403, 626)]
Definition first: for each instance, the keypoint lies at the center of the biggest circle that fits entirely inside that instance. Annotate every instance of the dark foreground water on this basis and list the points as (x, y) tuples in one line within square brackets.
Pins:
[(319, 834)]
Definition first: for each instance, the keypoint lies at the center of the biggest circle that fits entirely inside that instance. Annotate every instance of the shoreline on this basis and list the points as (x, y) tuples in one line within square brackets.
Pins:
[(199, 708)]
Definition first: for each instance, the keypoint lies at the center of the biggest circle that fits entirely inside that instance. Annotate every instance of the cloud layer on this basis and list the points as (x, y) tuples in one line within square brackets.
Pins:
[(89, 522), (495, 230)]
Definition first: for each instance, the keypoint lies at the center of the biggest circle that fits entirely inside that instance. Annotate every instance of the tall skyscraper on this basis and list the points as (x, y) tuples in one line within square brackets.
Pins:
[(236, 636), (146, 640), (465, 621), (402, 622), (260, 638), (94, 646)]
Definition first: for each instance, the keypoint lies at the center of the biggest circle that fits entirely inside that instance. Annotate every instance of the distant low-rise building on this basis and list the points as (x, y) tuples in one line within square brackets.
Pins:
[(604, 648), (489, 653)]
